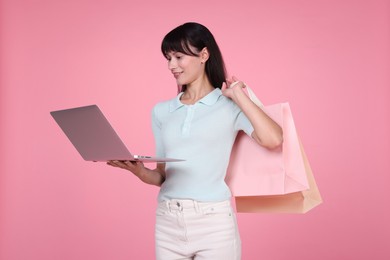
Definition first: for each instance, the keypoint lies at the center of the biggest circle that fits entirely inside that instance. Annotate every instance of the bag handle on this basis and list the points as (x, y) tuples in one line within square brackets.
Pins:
[(251, 94)]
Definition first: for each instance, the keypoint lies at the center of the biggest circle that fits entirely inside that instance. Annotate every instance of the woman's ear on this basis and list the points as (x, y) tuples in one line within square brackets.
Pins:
[(204, 55)]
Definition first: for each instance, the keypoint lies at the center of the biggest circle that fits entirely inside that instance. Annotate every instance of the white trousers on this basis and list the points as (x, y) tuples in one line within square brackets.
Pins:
[(186, 229)]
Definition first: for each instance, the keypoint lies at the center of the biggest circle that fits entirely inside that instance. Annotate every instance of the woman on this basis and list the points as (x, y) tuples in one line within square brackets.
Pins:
[(194, 218)]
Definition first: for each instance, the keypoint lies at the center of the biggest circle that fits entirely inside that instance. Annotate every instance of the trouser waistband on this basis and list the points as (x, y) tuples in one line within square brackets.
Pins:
[(199, 206)]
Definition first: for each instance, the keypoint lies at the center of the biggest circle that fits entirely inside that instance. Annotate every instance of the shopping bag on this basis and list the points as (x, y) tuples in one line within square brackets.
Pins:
[(263, 180), (295, 202)]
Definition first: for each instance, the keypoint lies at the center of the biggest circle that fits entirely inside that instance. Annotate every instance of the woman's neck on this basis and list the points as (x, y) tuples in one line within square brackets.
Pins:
[(196, 91)]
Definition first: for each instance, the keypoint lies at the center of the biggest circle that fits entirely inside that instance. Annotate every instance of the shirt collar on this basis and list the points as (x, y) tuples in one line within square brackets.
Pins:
[(209, 100)]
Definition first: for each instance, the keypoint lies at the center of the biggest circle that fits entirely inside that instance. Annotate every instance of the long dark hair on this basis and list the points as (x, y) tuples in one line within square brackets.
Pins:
[(198, 36)]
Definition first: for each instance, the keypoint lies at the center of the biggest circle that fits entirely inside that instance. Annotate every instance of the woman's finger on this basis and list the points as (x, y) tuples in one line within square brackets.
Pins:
[(117, 164), (130, 164), (229, 82), (112, 163)]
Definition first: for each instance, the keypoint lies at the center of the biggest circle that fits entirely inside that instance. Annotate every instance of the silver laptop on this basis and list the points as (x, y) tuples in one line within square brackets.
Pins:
[(94, 138)]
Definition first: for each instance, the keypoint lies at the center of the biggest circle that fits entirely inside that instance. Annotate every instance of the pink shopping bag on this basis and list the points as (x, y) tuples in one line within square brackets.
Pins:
[(281, 180), (295, 202)]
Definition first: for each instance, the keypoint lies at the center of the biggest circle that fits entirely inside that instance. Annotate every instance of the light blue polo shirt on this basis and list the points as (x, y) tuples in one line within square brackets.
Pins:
[(203, 134)]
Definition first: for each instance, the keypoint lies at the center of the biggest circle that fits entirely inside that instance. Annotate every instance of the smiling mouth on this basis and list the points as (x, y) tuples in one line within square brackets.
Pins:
[(176, 74)]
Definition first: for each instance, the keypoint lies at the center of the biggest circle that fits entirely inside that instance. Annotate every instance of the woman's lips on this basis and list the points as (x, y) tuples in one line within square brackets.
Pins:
[(176, 74)]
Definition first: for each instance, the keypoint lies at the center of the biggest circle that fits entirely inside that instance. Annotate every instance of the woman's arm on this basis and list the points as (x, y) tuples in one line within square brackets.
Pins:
[(153, 177), (266, 131)]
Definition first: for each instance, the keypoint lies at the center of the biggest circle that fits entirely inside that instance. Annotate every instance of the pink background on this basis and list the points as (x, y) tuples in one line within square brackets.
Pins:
[(329, 58)]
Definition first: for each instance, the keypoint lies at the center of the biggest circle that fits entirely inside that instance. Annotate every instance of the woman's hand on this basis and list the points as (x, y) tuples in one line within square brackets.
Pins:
[(135, 167), (228, 88), (153, 177)]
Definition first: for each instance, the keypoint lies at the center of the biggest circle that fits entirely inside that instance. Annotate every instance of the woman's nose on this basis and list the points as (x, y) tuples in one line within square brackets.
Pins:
[(172, 64)]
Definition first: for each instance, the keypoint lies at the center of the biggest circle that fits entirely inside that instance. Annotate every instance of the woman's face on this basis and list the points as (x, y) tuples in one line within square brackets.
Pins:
[(185, 68)]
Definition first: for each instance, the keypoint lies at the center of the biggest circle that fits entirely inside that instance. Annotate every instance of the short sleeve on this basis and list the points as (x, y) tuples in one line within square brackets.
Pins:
[(243, 123)]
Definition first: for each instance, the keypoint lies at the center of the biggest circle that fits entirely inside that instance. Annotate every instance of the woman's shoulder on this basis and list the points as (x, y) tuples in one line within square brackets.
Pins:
[(228, 103)]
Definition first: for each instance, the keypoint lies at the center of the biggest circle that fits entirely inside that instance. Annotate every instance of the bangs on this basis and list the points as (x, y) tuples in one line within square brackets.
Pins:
[(177, 42)]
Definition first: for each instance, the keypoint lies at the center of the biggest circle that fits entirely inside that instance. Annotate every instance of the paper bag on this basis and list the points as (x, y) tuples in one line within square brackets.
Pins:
[(281, 180), (255, 170), (296, 202)]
